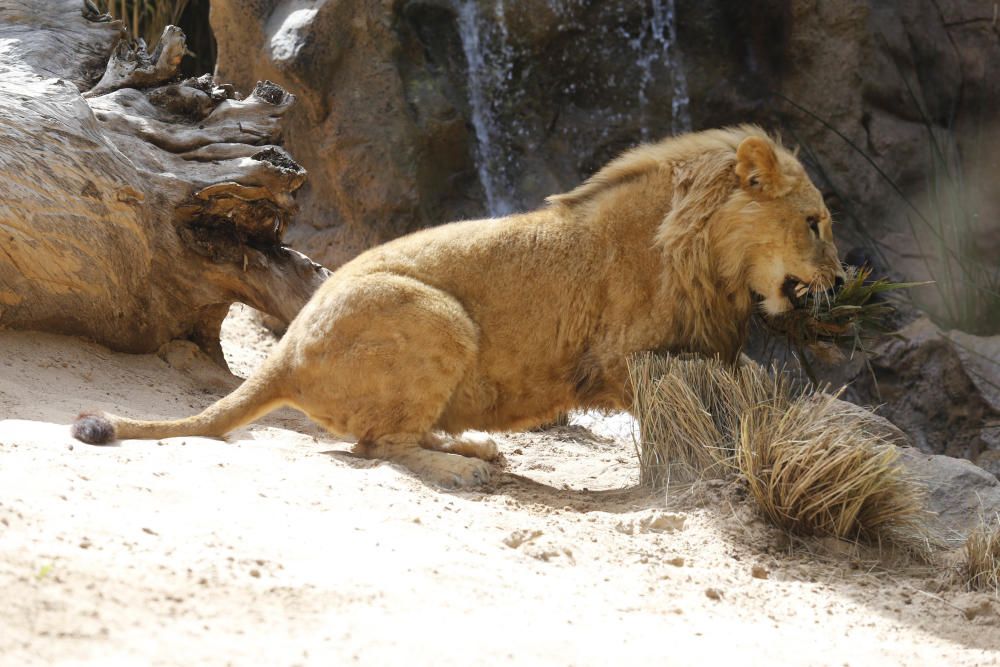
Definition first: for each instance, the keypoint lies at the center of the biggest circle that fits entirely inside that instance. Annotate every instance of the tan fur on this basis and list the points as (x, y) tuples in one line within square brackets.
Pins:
[(503, 324)]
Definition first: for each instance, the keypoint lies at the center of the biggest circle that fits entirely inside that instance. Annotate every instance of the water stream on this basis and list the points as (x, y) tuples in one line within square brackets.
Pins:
[(491, 58), (663, 31), (489, 62)]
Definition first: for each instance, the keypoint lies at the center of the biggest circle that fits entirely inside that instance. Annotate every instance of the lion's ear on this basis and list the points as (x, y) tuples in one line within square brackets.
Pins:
[(757, 166)]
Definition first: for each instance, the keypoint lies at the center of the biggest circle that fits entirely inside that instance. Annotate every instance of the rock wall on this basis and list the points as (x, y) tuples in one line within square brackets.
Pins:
[(415, 112)]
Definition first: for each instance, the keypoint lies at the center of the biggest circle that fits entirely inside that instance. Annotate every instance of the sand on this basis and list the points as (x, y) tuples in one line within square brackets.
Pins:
[(280, 547)]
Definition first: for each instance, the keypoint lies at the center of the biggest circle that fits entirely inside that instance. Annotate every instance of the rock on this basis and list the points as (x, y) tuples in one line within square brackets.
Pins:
[(519, 537), (662, 523), (385, 151), (939, 388), (878, 425), (989, 461), (654, 522), (980, 357), (937, 395), (958, 491)]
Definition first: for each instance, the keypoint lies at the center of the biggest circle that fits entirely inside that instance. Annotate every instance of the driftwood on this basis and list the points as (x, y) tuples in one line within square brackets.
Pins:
[(136, 207)]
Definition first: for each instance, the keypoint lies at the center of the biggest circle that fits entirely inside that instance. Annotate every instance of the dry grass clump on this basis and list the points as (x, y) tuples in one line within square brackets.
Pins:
[(814, 465), (981, 563), (817, 470), (689, 412), (146, 18)]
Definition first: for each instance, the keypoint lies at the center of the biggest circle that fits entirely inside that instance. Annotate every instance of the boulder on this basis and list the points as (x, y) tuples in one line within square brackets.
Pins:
[(939, 387), (387, 142), (958, 492)]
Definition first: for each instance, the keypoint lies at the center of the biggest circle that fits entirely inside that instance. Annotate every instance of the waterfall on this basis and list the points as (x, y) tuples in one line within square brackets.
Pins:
[(491, 57), (665, 34), (486, 81)]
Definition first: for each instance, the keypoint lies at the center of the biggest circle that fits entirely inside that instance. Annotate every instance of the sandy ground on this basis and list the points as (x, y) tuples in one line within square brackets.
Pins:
[(281, 548)]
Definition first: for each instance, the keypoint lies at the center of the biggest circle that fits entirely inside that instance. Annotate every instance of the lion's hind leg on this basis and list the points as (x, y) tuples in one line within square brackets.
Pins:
[(475, 444), (450, 470), (387, 366)]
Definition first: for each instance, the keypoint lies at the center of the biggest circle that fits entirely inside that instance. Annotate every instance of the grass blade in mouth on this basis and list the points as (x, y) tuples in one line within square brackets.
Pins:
[(853, 312)]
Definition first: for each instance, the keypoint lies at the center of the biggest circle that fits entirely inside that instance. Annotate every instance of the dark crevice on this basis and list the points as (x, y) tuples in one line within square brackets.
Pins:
[(200, 40)]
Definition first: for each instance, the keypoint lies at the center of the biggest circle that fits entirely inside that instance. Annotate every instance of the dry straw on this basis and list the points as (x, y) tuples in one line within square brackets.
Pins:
[(814, 464), (981, 563), (145, 18), (689, 412)]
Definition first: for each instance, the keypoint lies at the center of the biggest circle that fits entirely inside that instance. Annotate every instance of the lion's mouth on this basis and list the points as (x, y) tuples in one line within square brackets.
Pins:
[(794, 289)]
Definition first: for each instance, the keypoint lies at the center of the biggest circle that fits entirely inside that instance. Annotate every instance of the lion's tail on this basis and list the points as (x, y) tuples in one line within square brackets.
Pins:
[(257, 396)]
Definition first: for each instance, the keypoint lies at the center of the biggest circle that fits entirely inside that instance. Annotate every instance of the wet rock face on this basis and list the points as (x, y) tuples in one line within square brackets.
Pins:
[(417, 112), (556, 89)]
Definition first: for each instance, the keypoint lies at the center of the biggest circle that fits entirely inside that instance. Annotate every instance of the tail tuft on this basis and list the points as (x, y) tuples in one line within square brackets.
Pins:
[(93, 429)]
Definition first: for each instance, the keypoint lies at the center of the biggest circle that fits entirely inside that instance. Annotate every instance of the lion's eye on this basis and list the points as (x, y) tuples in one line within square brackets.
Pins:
[(813, 221)]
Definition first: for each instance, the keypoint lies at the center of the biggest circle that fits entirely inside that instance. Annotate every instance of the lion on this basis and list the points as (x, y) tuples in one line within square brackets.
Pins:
[(503, 324)]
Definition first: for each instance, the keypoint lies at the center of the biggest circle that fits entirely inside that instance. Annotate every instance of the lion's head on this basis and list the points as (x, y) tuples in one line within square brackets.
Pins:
[(786, 229), (743, 215)]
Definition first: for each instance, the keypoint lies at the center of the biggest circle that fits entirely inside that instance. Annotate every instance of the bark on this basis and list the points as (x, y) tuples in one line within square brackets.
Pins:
[(136, 207)]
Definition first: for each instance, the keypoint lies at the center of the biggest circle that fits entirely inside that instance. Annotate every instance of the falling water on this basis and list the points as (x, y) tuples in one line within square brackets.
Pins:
[(664, 30), (490, 59), (486, 81)]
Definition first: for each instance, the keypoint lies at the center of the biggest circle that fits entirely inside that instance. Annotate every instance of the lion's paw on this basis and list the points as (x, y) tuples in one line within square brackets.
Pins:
[(448, 470)]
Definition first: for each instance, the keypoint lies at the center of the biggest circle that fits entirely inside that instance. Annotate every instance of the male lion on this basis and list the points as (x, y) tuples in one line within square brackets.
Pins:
[(503, 324)]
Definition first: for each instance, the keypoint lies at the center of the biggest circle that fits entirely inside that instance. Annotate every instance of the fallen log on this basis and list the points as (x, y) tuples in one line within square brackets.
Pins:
[(136, 207)]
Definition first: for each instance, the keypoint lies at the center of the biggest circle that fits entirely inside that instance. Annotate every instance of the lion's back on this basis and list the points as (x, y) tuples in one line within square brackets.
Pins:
[(516, 268)]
